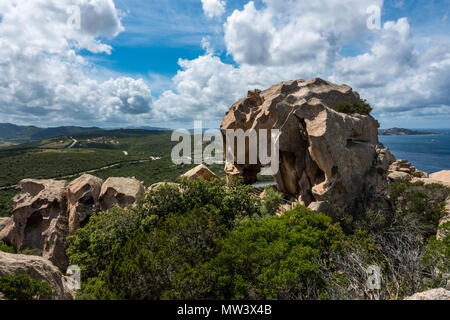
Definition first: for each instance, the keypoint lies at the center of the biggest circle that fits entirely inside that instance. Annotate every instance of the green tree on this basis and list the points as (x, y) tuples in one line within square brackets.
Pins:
[(22, 287)]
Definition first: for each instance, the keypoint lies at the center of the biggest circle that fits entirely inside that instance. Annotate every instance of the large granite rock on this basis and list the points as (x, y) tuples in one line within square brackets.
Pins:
[(200, 172), (37, 268), (39, 220), (120, 192), (83, 200), (434, 294), (442, 176), (324, 154)]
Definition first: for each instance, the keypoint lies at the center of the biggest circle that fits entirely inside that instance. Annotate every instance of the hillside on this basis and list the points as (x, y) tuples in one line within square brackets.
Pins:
[(21, 134)]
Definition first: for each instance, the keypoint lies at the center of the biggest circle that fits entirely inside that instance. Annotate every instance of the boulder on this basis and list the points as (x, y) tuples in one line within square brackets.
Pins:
[(434, 294), (443, 176), (200, 172), (39, 220), (83, 200), (120, 192), (324, 154), (399, 176), (160, 184), (323, 207), (37, 268)]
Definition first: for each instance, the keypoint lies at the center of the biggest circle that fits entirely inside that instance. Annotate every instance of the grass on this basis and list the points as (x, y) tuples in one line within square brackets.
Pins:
[(51, 159)]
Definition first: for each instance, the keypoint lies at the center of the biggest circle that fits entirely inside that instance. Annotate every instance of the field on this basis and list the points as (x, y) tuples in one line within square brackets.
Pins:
[(117, 153)]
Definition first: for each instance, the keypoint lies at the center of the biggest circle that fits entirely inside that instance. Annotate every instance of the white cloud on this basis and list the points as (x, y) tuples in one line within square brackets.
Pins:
[(42, 77), (299, 39), (213, 8), (287, 32)]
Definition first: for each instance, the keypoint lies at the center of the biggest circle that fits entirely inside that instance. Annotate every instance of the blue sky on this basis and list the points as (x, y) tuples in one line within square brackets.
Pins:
[(167, 63)]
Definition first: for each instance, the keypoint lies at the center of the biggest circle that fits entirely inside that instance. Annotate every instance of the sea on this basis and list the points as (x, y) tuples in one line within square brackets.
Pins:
[(429, 153)]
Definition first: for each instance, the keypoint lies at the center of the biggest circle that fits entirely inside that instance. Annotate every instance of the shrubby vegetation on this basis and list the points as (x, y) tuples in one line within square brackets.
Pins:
[(22, 287), (206, 240), (361, 107)]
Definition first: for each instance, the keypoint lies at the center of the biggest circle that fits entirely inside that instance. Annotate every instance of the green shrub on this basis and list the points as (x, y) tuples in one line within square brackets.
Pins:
[(22, 287), (166, 262), (278, 257), (361, 107), (5, 248), (93, 247), (270, 202)]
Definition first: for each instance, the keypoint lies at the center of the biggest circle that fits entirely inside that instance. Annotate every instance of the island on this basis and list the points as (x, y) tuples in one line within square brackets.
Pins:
[(403, 132)]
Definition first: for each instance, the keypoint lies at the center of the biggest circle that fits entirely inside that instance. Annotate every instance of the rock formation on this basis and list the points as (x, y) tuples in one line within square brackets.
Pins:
[(443, 176), (47, 211), (120, 192), (200, 172), (37, 268), (324, 154), (83, 199), (402, 170), (39, 220), (434, 294)]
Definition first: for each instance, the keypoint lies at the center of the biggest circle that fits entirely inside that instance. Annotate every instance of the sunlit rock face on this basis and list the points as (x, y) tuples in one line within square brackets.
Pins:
[(324, 155)]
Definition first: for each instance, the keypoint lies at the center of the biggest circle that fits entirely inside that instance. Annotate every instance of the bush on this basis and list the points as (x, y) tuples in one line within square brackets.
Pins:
[(22, 287), (361, 107), (278, 257), (94, 246), (5, 248), (165, 262), (270, 202)]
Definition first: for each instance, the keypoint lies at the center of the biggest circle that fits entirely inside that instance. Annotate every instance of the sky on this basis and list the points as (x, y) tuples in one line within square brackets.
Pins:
[(132, 63)]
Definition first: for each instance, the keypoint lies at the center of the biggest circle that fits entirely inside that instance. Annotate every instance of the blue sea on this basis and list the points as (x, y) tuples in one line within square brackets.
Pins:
[(429, 153)]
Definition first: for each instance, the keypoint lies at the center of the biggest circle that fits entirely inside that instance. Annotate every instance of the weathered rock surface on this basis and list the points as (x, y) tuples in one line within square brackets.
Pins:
[(434, 294), (200, 172), (4, 223), (160, 184), (398, 176), (324, 154), (403, 166), (40, 220), (443, 176), (83, 200), (120, 192), (37, 268)]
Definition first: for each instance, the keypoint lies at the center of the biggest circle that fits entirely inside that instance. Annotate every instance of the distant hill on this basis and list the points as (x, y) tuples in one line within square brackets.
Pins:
[(403, 132), (14, 133)]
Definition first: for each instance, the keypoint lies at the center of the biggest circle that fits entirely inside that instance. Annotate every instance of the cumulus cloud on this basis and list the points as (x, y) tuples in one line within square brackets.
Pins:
[(287, 32), (396, 77), (213, 8), (43, 78), (299, 39)]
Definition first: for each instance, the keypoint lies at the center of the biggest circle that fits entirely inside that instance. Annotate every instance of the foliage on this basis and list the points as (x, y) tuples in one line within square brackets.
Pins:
[(22, 287), (278, 257), (270, 202), (360, 107), (94, 246), (6, 248)]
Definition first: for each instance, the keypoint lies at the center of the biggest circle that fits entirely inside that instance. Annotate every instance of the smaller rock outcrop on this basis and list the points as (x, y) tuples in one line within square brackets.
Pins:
[(160, 184), (37, 268), (120, 192), (40, 220), (200, 172), (434, 294), (443, 176), (83, 200), (402, 170)]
